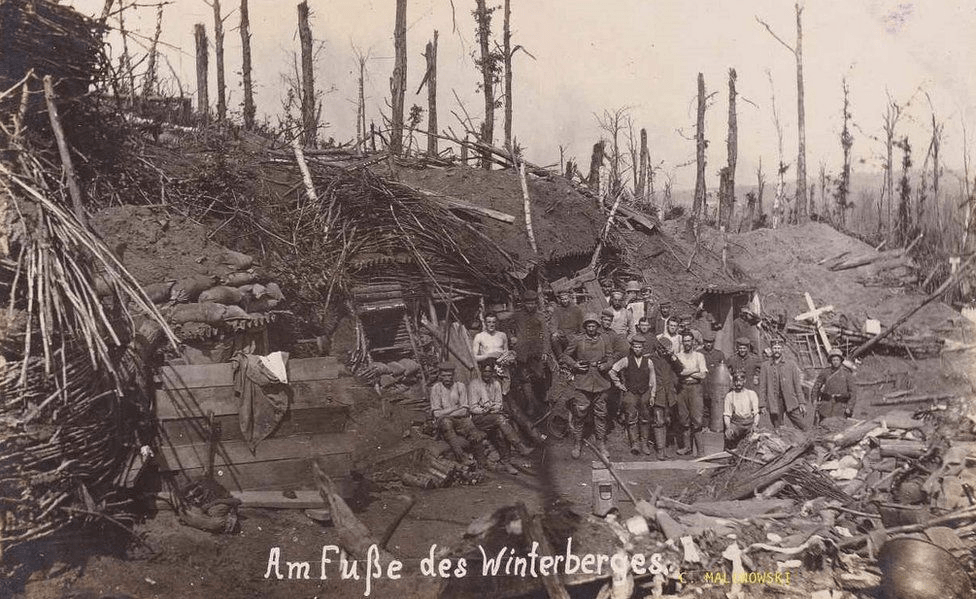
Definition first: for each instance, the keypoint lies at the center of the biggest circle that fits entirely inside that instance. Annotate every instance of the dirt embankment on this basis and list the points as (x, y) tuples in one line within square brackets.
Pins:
[(784, 262), (158, 245)]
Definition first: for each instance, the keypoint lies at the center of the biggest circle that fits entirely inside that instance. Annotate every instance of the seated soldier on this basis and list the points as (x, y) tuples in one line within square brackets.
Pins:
[(449, 406), (741, 410), (488, 411)]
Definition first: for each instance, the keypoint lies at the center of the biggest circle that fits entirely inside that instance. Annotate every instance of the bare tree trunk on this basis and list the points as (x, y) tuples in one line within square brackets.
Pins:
[(641, 191), (149, 83), (507, 49), (398, 82), (596, 161), (203, 102), (846, 142), (245, 28), (802, 201), (761, 185), (700, 145), (361, 108), (219, 53), (431, 55), (309, 122), (483, 19), (728, 196), (824, 211), (464, 150)]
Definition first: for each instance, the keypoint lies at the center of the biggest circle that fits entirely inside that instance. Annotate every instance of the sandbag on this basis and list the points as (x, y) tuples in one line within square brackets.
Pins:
[(262, 305), (236, 279), (410, 367), (235, 313), (274, 291), (222, 294), (236, 260), (190, 288), (159, 293), (207, 312)]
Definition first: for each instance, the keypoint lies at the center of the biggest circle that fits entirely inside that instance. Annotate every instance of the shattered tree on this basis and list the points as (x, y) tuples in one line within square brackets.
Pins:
[(398, 81)]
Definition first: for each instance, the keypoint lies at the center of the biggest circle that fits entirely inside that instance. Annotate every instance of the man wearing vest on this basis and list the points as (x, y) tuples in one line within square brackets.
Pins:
[(589, 356), (634, 376), (834, 389)]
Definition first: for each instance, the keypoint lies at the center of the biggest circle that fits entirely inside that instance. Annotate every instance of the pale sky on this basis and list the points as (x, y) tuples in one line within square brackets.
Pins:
[(593, 55)]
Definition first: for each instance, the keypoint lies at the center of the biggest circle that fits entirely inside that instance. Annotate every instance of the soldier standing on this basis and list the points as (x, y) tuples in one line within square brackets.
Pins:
[(834, 389)]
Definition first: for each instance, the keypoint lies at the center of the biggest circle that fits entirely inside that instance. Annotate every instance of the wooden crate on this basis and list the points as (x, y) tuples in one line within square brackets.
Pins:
[(313, 430)]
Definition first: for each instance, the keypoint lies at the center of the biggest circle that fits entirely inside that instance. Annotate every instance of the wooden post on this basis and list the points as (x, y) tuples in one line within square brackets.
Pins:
[(203, 101), (69, 170), (699, 203), (309, 121), (596, 161), (431, 55), (245, 28), (219, 55), (525, 202), (483, 19), (398, 82), (507, 49)]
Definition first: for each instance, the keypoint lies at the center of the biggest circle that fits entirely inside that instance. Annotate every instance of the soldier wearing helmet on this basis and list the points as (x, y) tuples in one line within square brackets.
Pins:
[(834, 389)]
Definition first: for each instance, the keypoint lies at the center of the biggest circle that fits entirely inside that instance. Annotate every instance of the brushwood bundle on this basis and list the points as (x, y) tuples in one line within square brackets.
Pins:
[(70, 360)]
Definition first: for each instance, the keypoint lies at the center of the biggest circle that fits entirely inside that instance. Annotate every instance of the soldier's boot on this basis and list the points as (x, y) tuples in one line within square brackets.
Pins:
[(699, 444), (685, 443), (577, 444), (632, 438), (660, 442), (644, 430)]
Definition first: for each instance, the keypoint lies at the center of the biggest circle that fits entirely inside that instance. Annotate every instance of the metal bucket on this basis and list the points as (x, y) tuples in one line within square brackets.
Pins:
[(915, 569)]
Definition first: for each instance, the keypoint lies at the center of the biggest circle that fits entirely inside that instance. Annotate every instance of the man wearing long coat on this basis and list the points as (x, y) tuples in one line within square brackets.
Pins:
[(781, 389)]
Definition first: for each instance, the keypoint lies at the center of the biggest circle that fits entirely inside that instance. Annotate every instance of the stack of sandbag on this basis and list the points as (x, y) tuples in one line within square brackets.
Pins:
[(389, 375), (239, 293)]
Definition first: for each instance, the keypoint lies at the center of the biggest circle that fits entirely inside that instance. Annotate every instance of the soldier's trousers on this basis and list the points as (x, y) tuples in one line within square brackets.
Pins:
[(636, 407), (499, 422), (586, 404), (691, 407), (456, 430)]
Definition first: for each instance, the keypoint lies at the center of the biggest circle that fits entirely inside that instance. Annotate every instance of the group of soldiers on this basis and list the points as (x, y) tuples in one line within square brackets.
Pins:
[(636, 359)]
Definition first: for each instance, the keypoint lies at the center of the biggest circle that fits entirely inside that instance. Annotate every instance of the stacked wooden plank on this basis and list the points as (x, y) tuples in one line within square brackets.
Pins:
[(313, 429)]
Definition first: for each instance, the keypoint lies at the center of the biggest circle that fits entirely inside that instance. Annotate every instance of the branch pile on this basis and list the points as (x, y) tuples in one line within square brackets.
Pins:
[(68, 358)]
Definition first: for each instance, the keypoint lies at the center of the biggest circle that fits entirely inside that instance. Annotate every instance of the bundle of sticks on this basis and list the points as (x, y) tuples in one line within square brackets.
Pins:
[(63, 379)]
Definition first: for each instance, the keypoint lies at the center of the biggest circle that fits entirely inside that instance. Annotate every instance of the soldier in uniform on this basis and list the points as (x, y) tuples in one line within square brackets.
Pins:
[(834, 389), (781, 389), (589, 356), (533, 352), (746, 361), (567, 321), (666, 369)]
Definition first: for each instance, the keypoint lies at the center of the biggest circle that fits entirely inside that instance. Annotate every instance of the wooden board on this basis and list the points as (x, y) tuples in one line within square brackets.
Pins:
[(184, 457), (303, 500), (324, 419), (222, 375), (662, 465), (189, 403), (279, 475)]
